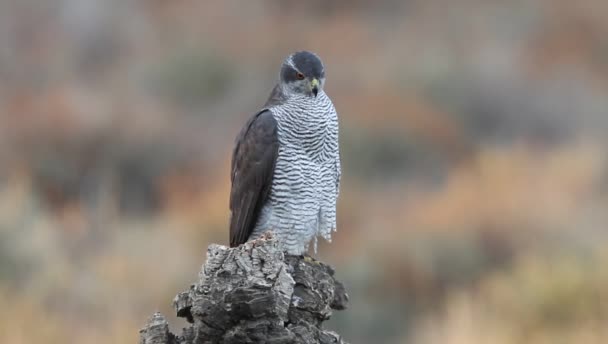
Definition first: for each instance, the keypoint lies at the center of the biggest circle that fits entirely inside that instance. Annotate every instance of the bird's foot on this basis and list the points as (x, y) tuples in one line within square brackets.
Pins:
[(309, 259)]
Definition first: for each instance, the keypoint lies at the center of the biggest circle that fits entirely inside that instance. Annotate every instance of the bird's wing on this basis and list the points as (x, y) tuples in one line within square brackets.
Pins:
[(253, 162)]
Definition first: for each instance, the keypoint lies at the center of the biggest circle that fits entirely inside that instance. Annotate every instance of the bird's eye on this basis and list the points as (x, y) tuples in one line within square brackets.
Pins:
[(299, 76)]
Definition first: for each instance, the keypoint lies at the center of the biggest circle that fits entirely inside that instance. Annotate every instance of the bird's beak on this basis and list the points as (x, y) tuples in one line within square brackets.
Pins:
[(314, 86)]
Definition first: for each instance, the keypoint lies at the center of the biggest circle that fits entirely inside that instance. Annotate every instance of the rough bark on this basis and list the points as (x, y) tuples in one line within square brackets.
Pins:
[(254, 294)]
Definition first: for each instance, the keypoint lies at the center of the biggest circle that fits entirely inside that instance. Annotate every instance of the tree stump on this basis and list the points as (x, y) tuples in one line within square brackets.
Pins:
[(254, 294)]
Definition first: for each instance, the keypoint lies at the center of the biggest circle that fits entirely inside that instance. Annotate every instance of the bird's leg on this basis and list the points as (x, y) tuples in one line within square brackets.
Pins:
[(309, 259)]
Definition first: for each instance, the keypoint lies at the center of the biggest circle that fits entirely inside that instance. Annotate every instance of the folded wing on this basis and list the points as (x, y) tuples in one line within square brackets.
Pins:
[(253, 163)]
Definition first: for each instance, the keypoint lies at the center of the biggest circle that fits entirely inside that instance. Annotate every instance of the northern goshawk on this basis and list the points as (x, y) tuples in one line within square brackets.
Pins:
[(285, 171)]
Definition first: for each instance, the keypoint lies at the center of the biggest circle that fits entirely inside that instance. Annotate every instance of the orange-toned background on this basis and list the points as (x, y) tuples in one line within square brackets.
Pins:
[(474, 203)]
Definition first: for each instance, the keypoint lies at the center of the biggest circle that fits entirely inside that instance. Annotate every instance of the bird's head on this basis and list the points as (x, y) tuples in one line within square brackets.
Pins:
[(302, 73)]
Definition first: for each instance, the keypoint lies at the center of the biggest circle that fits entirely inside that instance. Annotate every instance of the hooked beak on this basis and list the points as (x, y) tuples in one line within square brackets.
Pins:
[(314, 86)]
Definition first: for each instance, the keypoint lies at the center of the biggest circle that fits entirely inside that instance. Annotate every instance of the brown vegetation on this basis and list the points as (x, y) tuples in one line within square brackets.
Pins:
[(473, 207)]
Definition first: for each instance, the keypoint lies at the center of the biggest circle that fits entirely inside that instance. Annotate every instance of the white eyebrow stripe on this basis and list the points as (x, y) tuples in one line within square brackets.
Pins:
[(289, 62)]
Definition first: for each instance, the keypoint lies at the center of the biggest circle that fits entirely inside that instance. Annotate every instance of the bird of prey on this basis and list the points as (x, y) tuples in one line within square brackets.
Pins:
[(285, 170)]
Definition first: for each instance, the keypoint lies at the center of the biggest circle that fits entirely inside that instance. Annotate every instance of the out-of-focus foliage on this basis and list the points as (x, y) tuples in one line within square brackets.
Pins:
[(193, 78), (538, 300), (474, 202)]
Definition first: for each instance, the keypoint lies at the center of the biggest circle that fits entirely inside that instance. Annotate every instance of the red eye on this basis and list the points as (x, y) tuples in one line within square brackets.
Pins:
[(299, 76)]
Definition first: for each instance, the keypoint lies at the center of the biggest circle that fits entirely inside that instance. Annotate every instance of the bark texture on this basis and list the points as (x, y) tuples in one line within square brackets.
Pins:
[(254, 294)]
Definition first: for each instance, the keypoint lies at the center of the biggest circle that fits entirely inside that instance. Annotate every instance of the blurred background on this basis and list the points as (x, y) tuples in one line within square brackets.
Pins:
[(474, 202)]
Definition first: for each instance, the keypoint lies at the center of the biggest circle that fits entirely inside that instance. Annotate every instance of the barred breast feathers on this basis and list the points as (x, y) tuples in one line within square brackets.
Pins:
[(311, 122), (305, 187)]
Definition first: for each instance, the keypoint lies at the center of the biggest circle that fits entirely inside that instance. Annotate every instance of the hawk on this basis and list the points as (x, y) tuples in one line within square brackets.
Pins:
[(285, 171)]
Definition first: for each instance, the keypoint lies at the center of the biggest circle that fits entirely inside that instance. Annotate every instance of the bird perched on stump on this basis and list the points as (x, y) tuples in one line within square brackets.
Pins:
[(285, 170)]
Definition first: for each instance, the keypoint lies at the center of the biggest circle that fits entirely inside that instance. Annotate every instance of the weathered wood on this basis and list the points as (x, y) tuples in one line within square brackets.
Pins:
[(254, 294), (156, 331)]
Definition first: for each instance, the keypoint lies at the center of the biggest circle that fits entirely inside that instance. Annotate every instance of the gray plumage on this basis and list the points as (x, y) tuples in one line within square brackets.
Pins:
[(286, 163)]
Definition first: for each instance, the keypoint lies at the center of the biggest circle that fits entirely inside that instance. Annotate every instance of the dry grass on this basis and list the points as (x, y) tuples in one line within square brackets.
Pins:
[(554, 299)]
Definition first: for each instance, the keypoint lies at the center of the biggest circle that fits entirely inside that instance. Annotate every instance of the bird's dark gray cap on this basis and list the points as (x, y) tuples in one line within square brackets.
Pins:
[(304, 62), (308, 63)]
